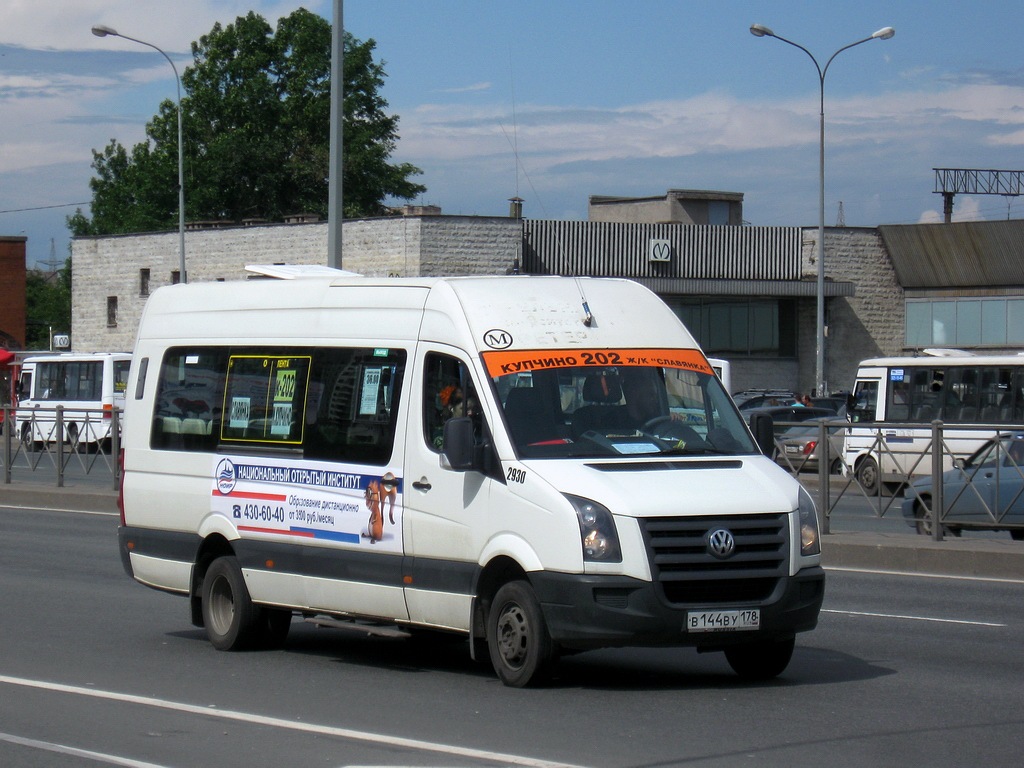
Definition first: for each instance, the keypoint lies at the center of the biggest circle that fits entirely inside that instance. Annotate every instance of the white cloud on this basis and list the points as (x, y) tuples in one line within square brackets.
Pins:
[(67, 24)]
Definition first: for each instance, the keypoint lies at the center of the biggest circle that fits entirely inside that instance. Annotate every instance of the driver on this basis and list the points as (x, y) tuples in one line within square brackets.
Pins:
[(642, 402)]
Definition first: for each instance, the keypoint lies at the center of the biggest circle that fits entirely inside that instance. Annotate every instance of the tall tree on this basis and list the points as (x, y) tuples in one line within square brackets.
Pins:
[(256, 126), (47, 305)]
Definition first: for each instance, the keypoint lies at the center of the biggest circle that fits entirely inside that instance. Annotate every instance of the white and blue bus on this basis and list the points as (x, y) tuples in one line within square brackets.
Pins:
[(896, 399), (87, 386)]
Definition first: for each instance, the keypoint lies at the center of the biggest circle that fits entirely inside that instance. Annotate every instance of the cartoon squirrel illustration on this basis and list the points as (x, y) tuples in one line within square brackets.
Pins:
[(378, 494)]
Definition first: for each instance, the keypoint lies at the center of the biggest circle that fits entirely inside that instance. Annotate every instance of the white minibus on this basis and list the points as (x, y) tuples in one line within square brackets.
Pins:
[(88, 386), (896, 399), (538, 464)]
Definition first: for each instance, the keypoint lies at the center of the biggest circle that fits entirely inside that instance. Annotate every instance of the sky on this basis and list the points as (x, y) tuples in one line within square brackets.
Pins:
[(556, 100)]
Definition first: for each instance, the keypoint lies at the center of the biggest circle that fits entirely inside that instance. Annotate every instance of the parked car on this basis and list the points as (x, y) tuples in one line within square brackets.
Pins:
[(798, 446), (761, 398), (790, 413), (985, 492)]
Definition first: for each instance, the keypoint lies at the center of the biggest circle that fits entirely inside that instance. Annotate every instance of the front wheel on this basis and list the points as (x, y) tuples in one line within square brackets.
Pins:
[(867, 476), (26, 437), (761, 660), (923, 522), (521, 649)]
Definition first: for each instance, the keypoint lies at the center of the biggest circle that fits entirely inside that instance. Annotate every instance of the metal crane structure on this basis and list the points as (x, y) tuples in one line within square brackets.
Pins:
[(973, 181)]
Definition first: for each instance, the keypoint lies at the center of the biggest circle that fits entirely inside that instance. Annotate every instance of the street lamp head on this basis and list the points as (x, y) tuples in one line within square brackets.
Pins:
[(884, 33), (102, 31), (760, 30)]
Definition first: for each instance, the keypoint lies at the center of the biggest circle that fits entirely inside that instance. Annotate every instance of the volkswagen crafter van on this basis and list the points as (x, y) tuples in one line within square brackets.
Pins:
[(539, 464)]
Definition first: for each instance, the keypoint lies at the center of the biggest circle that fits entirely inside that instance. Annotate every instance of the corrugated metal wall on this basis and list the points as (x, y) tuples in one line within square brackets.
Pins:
[(607, 249), (968, 254)]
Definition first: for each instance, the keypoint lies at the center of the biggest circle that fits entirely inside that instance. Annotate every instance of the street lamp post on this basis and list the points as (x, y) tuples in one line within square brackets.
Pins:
[(103, 31), (759, 30)]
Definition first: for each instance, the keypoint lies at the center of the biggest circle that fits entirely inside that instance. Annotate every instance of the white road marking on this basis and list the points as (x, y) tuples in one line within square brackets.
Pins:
[(881, 572), (58, 509), (62, 749), (250, 718), (914, 618)]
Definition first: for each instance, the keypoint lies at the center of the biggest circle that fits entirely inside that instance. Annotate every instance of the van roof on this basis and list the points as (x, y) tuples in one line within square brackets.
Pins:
[(476, 312)]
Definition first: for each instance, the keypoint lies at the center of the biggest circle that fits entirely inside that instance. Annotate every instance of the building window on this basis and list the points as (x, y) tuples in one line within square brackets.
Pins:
[(111, 311), (967, 322), (740, 327), (143, 282)]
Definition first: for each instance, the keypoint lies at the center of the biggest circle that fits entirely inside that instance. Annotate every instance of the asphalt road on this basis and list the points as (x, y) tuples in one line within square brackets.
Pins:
[(98, 670)]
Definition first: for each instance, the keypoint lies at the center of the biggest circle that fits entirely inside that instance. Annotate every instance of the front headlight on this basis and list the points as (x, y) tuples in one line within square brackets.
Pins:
[(597, 531), (810, 543)]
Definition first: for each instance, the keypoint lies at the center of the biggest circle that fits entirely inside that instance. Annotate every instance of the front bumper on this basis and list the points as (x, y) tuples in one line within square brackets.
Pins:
[(584, 612)]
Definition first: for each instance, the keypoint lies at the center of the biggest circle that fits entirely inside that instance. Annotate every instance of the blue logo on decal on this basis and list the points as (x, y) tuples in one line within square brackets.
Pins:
[(226, 476)]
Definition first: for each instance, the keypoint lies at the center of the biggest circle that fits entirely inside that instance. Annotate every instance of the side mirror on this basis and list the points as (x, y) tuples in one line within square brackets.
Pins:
[(459, 444), (763, 427)]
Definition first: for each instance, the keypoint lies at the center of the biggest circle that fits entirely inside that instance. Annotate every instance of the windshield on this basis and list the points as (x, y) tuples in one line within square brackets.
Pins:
[(581, 403)]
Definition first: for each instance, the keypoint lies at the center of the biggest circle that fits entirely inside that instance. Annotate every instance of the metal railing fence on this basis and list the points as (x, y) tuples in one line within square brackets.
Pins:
[(927, 461), (49, 438)]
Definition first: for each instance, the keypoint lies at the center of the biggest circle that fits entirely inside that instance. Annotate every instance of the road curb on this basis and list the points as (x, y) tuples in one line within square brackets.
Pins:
[(53, 497), (978, 558)]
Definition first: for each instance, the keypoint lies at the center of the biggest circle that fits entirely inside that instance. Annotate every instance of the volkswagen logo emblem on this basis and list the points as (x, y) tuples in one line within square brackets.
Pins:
[(721, 543)]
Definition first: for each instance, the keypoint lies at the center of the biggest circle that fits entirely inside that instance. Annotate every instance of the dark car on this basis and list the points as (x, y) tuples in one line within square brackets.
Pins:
[(985, 492), (762, 398), (798, 446), (784, 416)]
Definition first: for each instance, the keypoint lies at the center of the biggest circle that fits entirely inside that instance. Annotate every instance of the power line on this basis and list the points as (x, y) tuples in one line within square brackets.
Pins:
[(46, 207)]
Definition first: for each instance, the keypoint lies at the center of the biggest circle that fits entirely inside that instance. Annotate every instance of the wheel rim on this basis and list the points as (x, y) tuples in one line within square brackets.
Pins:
[(868, 475), (513, 635), (221, 606)]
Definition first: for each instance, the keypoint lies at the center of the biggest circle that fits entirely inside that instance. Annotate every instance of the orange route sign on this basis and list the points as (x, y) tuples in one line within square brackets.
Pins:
[(504, 362)]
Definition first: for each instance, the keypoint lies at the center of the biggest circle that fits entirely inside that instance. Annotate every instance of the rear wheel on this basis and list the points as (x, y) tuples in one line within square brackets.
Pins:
[(231, 619), (273, 627), (762, 660), (521, 649)]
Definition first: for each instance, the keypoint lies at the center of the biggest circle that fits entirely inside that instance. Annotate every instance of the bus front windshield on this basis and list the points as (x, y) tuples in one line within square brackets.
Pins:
[(608, 403)]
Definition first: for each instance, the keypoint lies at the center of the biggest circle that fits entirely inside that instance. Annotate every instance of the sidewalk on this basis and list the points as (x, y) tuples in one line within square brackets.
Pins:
[(906, 553)]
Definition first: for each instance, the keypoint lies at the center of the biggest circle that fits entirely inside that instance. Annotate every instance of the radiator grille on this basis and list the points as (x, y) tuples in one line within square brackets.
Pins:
[(689, 574)]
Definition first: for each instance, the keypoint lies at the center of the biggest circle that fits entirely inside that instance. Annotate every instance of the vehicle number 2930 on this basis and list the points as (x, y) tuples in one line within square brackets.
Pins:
[(723, 621)]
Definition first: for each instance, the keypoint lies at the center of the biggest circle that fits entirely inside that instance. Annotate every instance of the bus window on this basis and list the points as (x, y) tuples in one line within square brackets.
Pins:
[(865, 397)]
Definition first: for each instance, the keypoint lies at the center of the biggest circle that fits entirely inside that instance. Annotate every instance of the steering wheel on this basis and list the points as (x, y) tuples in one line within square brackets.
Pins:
[(666, 426)]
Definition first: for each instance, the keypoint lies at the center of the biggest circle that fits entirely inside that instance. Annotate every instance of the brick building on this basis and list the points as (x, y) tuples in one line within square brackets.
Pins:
[(747, 293), (12, 292)]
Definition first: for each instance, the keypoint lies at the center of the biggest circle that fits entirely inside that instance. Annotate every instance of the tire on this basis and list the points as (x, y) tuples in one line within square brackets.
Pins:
[(232, 621), (867, 476), (26, 437), (1017, 534), (273, 628), (923, 523), (521, 649), (922, 520), (761, 660)]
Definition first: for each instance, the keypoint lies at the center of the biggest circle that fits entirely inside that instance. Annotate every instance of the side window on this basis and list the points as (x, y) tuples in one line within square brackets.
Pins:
[(338, 404), (188, 399), (264, 398), (353, 404), (865, 397), (448, 393)]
